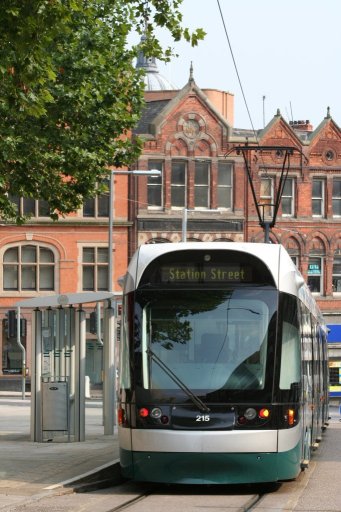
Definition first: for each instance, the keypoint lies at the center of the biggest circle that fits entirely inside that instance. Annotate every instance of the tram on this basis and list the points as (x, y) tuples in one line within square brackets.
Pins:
[(223, 365)]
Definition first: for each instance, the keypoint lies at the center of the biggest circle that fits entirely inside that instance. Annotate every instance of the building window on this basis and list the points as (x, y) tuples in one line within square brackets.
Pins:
[(334, 375), (337, 275), (95, 268), (178, 185), (288, 198), (97, 206), (28, 267), (337, 197), (224, 189), (294, 259), (266, 197), (155, 187), (329, 155), (315, 275), (202, 185), (318, 194), (293, 248), (32, 207)]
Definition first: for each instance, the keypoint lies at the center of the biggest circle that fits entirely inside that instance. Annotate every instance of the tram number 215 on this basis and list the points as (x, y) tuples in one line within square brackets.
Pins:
[(203, 417)]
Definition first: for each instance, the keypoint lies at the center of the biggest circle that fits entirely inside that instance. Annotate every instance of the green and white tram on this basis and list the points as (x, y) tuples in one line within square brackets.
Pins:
[(223, 365)]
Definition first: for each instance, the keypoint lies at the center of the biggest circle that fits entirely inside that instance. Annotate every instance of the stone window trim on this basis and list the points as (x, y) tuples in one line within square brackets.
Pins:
[(288, 199), (336, 196), (95, 270), (329, 156), (22, 293), (155, 185), (97, 207)]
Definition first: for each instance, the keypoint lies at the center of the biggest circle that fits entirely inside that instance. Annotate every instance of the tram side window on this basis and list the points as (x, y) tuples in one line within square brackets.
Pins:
[(307, 352), (290, 371)]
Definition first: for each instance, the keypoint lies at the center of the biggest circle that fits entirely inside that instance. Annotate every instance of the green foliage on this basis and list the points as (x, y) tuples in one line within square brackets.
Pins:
[(70, 94)]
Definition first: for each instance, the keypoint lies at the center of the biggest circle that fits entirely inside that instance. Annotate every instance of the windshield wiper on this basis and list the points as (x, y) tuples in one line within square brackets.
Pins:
[(195, 399)]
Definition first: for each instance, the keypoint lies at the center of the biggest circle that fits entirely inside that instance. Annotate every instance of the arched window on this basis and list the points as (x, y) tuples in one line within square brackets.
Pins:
[(28, 267), (337, 268), (315, 266), (293, 249)]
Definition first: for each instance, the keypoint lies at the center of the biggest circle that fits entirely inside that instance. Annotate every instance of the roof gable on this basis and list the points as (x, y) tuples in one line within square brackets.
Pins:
[(159, 116), (279, 132), (325, 143), (326, 130)]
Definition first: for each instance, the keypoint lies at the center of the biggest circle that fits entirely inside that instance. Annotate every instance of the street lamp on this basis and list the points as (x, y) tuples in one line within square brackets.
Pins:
[(109, 373)]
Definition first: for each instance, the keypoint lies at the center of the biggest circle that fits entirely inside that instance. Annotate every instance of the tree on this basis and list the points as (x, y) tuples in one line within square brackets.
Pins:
[(70, 94)]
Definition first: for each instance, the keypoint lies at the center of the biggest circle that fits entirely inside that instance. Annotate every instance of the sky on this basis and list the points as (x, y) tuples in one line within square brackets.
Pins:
[(288, 51)]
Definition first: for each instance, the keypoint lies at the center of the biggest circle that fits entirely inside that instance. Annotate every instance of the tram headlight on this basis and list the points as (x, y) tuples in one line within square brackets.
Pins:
[(156, 413), (250, 413)]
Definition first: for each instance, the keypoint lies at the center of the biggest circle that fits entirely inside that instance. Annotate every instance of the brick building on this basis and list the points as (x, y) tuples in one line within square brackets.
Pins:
[(189, 134), (203, 194), (43, 258)]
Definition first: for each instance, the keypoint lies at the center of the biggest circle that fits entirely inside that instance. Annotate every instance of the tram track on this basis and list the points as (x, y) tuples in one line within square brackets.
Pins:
[(249, 506), (139, 497), (130, 502), (252, 503), (237, 498)]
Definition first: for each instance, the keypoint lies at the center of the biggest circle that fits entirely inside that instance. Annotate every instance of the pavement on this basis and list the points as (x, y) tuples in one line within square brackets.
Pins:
[(32, 473), (29, 469)]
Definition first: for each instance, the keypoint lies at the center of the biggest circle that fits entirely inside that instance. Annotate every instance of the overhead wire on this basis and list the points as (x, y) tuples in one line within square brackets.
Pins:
[(237, 72)]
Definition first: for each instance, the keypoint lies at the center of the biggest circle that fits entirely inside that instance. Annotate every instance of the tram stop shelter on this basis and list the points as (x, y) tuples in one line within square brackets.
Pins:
[(58, 364)]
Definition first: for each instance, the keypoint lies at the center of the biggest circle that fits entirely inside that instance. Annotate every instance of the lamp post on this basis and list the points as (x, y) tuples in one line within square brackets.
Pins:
[(109, 372)]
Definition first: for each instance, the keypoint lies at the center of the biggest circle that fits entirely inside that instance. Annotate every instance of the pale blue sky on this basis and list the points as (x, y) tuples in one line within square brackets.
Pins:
[(289, 52)]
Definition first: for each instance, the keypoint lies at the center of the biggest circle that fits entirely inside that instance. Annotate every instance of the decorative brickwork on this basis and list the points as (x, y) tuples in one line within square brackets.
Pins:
[(189, 129)]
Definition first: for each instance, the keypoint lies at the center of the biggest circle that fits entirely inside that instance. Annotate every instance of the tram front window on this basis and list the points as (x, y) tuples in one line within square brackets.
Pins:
[(210, 340)]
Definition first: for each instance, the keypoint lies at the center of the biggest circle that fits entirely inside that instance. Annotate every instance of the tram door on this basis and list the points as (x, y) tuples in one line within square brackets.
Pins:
[(307, 382)]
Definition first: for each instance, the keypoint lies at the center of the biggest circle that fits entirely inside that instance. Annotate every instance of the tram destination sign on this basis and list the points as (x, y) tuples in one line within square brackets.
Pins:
[(206, 274)]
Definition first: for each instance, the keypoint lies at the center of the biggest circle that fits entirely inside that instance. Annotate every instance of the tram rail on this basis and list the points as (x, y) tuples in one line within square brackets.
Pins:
[(243, 498)]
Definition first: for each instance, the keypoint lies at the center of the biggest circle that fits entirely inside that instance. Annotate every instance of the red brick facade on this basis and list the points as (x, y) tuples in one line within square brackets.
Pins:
[(187, 128), (64, 241)]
